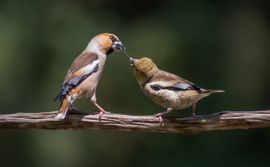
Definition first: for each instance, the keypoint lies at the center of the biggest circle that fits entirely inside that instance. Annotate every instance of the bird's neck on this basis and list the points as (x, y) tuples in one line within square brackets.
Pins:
[(95, 47), (143, 78)]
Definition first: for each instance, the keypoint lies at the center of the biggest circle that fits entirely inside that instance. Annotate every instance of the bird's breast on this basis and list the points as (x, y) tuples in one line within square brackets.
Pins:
[(88, 86)]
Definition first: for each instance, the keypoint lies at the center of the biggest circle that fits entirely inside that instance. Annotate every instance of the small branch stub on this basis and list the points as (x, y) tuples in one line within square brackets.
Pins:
[(78, 120)]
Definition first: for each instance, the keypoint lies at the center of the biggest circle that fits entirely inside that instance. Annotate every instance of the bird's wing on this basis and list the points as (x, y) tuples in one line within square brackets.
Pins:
[(168, 81), (83, 66), (84, 59), (175, 87)]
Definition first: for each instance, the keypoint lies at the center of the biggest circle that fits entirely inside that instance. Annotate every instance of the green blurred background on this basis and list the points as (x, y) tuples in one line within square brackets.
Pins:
[(216, 44)]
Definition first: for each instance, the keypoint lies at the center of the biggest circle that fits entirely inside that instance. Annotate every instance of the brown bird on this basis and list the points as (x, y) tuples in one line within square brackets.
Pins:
[(166, 89), (83, 76)]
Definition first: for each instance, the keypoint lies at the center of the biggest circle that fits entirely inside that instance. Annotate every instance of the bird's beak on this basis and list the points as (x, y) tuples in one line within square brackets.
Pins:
[(118, 46), (132, 61)]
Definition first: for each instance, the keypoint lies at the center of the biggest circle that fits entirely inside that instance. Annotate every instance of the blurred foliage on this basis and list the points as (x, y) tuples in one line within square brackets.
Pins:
[(216, 44)]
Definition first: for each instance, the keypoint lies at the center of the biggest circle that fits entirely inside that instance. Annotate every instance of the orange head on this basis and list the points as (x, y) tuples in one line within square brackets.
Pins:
[(107, 43)]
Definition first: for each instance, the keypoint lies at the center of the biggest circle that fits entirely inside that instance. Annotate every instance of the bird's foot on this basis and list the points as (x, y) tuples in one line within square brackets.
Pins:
[(193, 115), (159, 116), (102, 112)]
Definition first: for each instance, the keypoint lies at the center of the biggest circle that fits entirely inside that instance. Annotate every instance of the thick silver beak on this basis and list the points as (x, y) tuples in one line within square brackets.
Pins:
[(132, 61), (118, 46)]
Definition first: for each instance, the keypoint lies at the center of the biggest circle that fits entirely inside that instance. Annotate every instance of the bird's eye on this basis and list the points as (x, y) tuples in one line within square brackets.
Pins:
[(113, 38)]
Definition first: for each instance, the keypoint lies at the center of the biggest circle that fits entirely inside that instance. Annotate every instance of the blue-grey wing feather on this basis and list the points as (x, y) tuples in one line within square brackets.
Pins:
[(176, 87), (70, 84)]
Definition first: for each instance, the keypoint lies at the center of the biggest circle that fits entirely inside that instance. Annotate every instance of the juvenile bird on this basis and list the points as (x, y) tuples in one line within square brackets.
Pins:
[(85, 71), (166, 89)]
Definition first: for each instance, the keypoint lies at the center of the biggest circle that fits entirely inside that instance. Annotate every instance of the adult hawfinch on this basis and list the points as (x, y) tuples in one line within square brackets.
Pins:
[(83, 76)]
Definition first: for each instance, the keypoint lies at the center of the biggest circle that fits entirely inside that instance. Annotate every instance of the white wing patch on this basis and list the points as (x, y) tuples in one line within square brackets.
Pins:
[(161, 83), (90, 67), (164, 93)]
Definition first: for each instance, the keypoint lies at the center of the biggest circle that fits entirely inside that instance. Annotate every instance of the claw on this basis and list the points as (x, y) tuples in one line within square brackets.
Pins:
[(102, 112), (159, 116)]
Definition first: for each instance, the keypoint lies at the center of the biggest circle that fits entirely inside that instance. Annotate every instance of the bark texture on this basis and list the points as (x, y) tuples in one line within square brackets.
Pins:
[(76, 120)]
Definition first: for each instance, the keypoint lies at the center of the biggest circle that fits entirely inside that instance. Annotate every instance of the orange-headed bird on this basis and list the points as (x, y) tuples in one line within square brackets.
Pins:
[(83, 76)]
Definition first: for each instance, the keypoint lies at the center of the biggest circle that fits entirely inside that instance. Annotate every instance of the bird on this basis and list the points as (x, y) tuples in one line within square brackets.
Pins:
[(85, 72), (166, 89)]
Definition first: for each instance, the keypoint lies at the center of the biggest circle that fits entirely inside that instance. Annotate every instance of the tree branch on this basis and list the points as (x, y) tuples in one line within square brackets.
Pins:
[(77, 120)]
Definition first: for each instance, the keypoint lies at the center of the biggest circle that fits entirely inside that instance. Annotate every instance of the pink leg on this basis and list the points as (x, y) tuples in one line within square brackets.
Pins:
[(101, 110), (159, 115)]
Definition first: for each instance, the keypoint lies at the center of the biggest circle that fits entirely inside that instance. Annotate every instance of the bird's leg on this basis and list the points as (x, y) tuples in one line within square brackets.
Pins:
[(159, 115), (73, 95), (194, 109), (101, 110)]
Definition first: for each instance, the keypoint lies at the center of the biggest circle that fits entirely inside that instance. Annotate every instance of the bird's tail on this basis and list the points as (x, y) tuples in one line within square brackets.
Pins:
[(212, 91), (63, 109), (59, 98), (207, 92)]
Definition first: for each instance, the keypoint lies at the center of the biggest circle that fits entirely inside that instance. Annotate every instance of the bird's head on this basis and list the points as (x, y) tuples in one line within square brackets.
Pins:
[(144, 68), (107, 43)]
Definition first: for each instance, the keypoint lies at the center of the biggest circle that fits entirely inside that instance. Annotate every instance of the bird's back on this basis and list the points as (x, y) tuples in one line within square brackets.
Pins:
[(170, 90)]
